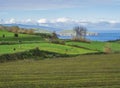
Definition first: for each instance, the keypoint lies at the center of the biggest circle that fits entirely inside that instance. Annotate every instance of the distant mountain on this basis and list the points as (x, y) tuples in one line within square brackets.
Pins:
[(102, 26), (35, 27)]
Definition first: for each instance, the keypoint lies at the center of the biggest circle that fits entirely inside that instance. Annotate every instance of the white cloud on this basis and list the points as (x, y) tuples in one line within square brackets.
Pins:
[(113, 22), (10, 21), (67, 23), (29, 20), (42, 21), (62, 20)]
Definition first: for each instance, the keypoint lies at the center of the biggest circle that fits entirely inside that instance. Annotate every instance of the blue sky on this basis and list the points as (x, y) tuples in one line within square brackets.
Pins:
[(44, 10)]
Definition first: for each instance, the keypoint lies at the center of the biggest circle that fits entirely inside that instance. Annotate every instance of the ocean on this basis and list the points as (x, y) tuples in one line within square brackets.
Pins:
[(99, 37)]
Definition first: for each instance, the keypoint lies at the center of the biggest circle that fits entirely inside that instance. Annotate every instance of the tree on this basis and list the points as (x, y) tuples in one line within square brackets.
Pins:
[(3, 27), (80, 32), (30, 31), (14, 29), (54, 35)]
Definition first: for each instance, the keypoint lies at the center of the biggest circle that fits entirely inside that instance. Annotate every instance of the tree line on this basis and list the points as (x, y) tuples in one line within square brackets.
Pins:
[(16, 30)]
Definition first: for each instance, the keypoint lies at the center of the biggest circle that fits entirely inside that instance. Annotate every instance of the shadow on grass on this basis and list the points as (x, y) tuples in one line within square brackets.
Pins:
[(37, 54)]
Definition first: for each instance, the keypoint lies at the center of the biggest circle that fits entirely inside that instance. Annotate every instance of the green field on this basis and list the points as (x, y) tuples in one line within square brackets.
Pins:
[(62, 49), (9, 36), (95, 45), (83, 71), (86, 71), (33, 41)]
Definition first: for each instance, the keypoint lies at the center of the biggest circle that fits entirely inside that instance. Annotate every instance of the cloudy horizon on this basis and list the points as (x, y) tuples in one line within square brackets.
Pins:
[(46, 12)]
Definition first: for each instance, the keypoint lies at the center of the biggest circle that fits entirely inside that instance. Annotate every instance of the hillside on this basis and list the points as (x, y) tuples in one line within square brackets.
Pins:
[(9, 43), (89, 71), (9, 36), (95, 45), (26, 42), (42, 62), (51, 29), (62, 49)]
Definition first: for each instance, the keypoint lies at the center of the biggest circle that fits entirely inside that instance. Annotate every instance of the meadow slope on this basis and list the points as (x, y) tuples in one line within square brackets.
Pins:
[(85, 71)]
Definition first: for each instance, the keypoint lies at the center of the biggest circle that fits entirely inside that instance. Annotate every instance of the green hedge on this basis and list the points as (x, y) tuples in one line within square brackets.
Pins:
[(33, 53)]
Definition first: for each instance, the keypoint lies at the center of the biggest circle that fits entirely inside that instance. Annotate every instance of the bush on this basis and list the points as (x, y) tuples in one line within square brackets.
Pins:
[(56, 41), (15, 35), (3, 36), (33, 53), (81, 40), (44, 35)]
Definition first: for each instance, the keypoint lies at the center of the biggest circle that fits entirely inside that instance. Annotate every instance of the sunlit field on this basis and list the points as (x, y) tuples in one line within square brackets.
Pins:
[(88, 71)]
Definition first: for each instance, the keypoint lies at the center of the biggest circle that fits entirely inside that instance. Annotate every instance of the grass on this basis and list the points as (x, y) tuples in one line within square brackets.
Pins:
[(85, 71), (9, 36), (33, 41), (62, 49), (96, 45)]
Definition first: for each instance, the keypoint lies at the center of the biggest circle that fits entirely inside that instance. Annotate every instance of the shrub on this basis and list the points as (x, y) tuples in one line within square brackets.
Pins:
[(80, 40), (30, 54), (15, 35), (56, 41), (44, 35), (3, 36)]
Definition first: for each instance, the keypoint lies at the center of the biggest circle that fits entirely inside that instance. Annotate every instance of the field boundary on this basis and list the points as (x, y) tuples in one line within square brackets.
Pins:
[(32, 53)]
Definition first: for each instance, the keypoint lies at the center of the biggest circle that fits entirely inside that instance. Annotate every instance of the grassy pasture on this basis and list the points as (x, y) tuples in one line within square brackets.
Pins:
[(62, 49), (115, 46), (29, 42), (33, 41), (9, 36), (85, 71)]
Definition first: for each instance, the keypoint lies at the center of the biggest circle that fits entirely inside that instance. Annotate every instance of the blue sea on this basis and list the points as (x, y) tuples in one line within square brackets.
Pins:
[(99, 37)]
